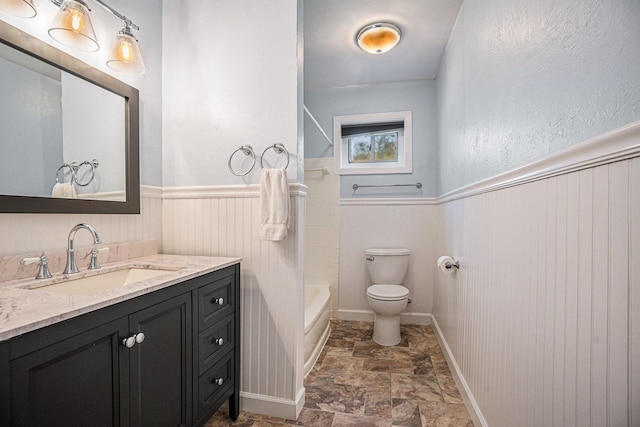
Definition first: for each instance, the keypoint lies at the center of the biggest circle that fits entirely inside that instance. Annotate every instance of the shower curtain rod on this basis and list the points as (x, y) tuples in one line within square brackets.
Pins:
[(315, 122)]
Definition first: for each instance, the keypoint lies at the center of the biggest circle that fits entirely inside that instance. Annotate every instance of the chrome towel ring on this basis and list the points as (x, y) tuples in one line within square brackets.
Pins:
[(247, 150), (279, 149)]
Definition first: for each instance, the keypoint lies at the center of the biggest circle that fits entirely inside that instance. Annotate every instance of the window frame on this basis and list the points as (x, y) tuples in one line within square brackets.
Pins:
[(404, 164)]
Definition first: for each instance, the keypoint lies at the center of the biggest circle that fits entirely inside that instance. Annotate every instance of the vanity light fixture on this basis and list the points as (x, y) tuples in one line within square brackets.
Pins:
[(378, 38), (19, 8), (72, 21), (125, 55), (72, 26)]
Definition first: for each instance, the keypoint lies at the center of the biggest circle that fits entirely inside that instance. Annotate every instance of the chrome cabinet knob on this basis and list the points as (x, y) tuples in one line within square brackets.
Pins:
[(139, 337), (133, 340), (218, 381), (370, 258), (218, 341), (219, 301)]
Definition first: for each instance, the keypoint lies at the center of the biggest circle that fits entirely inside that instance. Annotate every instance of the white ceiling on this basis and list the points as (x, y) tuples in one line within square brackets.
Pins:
[(332, 58)]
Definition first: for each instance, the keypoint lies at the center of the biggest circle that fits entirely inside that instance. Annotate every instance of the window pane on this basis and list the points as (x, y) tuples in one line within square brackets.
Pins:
[(386, 147), (360, 149)]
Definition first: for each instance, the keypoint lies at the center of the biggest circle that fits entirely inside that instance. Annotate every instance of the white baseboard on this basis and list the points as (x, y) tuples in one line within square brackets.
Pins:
[(463, 387), (272, 406), (369, 316)]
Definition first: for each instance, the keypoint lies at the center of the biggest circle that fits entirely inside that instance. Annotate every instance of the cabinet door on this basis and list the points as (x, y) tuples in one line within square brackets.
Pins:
[(161, 364), (80, 381)]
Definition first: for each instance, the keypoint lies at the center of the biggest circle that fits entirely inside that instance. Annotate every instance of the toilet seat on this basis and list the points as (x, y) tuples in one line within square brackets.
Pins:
[(383, 292)]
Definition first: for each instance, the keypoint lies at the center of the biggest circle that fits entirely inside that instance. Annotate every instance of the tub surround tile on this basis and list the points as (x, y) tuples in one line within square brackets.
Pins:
[(357, 382)]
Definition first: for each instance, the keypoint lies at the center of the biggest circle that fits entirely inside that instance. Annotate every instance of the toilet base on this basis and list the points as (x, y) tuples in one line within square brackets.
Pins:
[(386, 330)]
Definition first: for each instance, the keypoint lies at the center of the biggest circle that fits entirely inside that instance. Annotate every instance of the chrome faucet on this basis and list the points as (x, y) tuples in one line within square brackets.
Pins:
[(71, 252)]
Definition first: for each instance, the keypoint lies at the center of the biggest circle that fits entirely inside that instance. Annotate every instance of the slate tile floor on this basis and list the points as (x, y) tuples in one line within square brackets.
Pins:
[(356, 382)]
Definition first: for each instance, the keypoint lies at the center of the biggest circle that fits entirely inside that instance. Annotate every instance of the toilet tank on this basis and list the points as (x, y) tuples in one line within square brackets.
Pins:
[(387, 265)]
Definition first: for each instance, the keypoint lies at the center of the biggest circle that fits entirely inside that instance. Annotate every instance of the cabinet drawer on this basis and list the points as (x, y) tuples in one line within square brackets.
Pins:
[(216, 300), (216, 341), (211, 391)]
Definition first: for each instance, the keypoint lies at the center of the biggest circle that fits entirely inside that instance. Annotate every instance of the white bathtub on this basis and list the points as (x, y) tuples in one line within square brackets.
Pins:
[(316, 323)]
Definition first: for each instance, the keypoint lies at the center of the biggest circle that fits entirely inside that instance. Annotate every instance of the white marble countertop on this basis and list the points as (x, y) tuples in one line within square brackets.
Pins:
[(23, 310)]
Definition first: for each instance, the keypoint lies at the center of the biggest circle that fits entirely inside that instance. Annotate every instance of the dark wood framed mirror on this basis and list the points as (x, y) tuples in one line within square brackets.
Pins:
[(57, 115)]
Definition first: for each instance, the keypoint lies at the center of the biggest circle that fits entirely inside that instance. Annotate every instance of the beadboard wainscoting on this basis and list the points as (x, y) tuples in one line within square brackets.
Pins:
[(542, 321), (225, 221), (26, 233), (386, 223)]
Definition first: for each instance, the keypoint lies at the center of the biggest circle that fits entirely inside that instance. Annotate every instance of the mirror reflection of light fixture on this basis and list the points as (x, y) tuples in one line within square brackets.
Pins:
[(125, 56), (19, 8), (378, 38), (72, 26)]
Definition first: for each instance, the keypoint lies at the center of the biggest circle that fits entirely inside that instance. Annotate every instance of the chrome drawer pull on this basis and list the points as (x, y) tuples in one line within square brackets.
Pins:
[(218, 381), (219, 301), (218, 341)]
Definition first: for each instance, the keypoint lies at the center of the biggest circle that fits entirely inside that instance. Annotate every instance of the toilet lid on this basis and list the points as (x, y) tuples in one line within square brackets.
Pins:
[(388, 292)]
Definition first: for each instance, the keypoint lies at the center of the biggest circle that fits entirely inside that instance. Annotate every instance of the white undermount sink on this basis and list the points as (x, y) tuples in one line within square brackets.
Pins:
[(102, 281)]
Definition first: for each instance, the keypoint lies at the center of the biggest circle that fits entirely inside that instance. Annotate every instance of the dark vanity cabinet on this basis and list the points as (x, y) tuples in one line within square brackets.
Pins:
[(168, 358)]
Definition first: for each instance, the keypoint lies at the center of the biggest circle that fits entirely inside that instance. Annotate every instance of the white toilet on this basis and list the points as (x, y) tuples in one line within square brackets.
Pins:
[(387, 297)]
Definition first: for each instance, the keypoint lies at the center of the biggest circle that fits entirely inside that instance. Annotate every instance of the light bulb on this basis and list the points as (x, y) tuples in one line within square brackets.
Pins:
[(72, 26), (126, 56), (76, 20)]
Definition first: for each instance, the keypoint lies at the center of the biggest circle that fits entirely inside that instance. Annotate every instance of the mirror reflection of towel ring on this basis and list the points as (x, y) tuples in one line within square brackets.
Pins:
[(279, 149), (247, 150), (93, 165), (61, 168), (73, 169)]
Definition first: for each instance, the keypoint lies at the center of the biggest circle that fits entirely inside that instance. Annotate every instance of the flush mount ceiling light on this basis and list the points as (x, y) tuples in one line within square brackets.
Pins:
[(125, 56), (72, 26), (19, 8), (378, 38)]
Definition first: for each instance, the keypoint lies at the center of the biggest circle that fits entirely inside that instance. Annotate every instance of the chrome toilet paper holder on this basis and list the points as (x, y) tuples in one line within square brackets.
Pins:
[(450, 265)]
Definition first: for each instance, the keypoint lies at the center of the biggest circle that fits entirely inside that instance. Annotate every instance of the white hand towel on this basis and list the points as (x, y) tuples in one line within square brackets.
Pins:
[(64, 190), (274, 204), (71, 191), (58, 190)]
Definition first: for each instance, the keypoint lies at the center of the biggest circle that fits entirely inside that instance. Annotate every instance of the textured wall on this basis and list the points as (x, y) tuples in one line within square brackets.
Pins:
[(231, 78), (521, 79), (416, 96)]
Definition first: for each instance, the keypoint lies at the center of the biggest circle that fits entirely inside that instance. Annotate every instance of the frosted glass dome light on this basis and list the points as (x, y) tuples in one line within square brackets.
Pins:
[(378, 38)]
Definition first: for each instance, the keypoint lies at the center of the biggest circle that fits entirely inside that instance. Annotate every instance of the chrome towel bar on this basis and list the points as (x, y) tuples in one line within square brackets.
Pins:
[(417, 185)]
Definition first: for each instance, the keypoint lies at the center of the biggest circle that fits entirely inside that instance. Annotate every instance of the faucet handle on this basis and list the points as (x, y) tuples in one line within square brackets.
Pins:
[(43, 270), (93, 263)]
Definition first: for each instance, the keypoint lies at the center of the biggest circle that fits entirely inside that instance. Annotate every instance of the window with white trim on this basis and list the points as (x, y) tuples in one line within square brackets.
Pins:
[(374, 143)]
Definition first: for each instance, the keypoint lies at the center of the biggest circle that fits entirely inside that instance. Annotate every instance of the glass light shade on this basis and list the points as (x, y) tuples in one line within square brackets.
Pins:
[(19, 8), (72, 27), (378, 38), (125, 56)]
